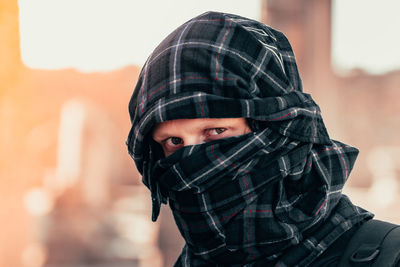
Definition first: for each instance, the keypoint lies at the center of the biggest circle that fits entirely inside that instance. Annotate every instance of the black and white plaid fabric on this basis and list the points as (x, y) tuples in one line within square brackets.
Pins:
[(271, 197)]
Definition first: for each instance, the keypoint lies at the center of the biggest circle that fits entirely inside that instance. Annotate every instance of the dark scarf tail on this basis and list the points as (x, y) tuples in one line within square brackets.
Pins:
[(272, 196)]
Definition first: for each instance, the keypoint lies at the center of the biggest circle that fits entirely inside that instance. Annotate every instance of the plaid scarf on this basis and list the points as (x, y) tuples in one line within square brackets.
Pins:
[(269, 197)]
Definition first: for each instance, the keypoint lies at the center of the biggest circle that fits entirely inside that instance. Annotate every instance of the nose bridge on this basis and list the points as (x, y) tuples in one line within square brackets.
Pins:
[(192, 139)]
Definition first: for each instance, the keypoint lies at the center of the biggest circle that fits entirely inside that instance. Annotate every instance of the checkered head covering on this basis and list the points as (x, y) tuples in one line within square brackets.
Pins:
[(269, 196)]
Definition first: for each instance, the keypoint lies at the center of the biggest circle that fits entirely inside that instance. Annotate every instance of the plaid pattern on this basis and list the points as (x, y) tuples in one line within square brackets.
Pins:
[(272, 196)]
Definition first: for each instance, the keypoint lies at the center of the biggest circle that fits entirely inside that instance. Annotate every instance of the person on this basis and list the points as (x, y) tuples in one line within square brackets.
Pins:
[(222, 130)]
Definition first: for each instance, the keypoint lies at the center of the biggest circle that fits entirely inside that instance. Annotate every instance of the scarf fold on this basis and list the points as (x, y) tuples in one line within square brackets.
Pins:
[(272, 196), (254, 195)]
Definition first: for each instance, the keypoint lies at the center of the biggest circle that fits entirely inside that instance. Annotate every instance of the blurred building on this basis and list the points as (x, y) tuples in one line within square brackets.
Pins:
[(359, 108), (69, 193)]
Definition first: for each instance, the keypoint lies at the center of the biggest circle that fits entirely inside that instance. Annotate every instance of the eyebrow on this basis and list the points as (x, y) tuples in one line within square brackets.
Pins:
[(159, 135)]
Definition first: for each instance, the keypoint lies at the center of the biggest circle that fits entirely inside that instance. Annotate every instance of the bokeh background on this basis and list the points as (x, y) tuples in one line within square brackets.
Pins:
[(69, 193)]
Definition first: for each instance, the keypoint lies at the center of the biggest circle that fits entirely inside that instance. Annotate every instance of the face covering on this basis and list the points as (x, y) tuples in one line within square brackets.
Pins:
[(272, 196)]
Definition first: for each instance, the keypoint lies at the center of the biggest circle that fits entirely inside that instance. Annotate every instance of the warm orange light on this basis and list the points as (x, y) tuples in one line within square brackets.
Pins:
[(38, 202), (34, 255)]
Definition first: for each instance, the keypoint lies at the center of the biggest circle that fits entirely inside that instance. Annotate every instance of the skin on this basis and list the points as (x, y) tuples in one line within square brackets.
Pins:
[(175, 134)]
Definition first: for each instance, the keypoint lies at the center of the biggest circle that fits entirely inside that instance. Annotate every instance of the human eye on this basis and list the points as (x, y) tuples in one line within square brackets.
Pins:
[(215, 133), (173, 141), (171, 144)]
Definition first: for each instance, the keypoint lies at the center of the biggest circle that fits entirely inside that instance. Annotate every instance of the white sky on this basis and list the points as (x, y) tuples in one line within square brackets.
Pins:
[(366, 34), (93, 35), (101, 35)]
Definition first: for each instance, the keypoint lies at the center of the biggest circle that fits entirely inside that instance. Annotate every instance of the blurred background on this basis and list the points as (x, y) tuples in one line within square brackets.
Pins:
[(69, 193)]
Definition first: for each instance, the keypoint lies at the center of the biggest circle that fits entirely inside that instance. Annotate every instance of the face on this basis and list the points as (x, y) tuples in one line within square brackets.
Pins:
[(174, 134)]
